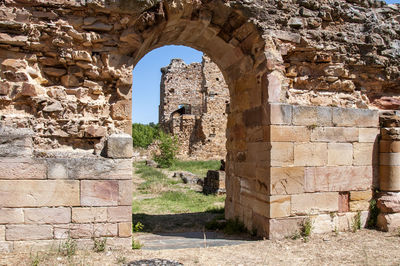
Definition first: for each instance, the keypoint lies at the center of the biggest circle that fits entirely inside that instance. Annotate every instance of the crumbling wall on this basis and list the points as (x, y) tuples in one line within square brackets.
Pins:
[(200, 128), (66, 78)]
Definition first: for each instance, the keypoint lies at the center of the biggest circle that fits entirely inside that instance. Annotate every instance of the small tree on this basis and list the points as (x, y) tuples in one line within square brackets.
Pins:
[(168, 147), (144, 135)]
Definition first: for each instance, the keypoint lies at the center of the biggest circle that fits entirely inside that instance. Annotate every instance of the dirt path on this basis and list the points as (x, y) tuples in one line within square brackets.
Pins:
[(365, 247)]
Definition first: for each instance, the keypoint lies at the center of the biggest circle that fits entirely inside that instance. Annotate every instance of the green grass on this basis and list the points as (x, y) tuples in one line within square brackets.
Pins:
[(175, 202), (165, 203), (154, 180), (199, 168)]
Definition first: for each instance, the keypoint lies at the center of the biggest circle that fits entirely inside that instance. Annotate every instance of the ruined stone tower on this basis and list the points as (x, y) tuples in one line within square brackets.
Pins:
[(193, 107)]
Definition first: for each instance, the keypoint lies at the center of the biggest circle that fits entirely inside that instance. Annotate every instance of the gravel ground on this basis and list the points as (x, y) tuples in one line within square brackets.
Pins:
[(365, 247)]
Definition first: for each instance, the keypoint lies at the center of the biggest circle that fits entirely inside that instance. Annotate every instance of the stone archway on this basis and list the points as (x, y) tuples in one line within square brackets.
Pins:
[(66, 102)]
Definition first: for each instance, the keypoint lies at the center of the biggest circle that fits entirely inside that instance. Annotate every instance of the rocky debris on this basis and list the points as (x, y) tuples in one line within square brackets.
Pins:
[(389, 202), (188, 178), (151, 163)]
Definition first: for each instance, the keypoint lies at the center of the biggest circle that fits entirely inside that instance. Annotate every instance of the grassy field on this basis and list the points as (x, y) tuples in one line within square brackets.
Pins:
[(163, 203), (199, 168)]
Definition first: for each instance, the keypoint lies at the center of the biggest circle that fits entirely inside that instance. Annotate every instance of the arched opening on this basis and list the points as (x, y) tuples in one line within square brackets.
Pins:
[(192, 109), (237, 48)]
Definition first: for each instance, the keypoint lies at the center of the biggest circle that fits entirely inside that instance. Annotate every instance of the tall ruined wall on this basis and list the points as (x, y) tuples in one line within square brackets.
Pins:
[(180, 84), (200, 129)]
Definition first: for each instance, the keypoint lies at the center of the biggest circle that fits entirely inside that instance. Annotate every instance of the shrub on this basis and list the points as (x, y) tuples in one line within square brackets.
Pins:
[(99, 245), (168, 147), (68, 247), (136, 244), (144, 135)]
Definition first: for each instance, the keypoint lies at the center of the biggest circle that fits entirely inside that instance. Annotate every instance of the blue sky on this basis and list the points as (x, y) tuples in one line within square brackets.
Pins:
[(147, 76)]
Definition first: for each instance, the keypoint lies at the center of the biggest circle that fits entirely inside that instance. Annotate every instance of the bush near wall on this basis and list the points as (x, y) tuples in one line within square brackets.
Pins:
[(144, 135)]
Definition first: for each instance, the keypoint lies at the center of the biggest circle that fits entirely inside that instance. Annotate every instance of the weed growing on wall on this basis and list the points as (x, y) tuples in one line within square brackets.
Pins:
[(99, 245), (68, 247), (356, 224)]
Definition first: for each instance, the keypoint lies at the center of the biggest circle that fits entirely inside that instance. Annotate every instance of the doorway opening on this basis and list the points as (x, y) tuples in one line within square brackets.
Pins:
[(189, 193)]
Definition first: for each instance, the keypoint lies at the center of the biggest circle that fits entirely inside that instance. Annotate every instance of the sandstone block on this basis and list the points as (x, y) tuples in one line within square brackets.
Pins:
[(312, 116), (281, 228), (311, 154), (99, 193), (258, 152), (368, 134), (54, 72), (22, 169), (346, 220), (279, 206), (105, 230), (287, 180), (281, 153), (121, 110), (90, 168), (119, 214), (315, 203), (389, 202), (389, 146), (289, 134), (249, 201), (89, 215), (119, 146), (323, 223), (70, 81), (389, 178), (365, 154), (57, 171), (340, 154), (274, 87), (360, 205), (2, 232), (334, 134), (11, 216), (389, 159), (361, 195), (39, 193), (355, 117), (93, 230), (344, 199), (280, 114), (125, 192), (47, 215), (389, 222), (13, 65), (4, 88), (340, 178), (62, 231), (81, 56), (124, 229), (6, 246), (29, 232)]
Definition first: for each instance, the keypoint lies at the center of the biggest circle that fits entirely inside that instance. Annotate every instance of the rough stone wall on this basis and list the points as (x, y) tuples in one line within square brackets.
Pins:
[(180, 85), (66, 77), (201, 132)]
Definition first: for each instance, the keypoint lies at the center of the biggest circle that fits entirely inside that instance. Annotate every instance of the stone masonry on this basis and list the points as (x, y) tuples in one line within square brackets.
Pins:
[(307, 83), (193, 107)]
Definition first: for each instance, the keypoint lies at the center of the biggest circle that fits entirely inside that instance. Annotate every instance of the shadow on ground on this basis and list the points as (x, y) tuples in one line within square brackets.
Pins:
[(168, 223)]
